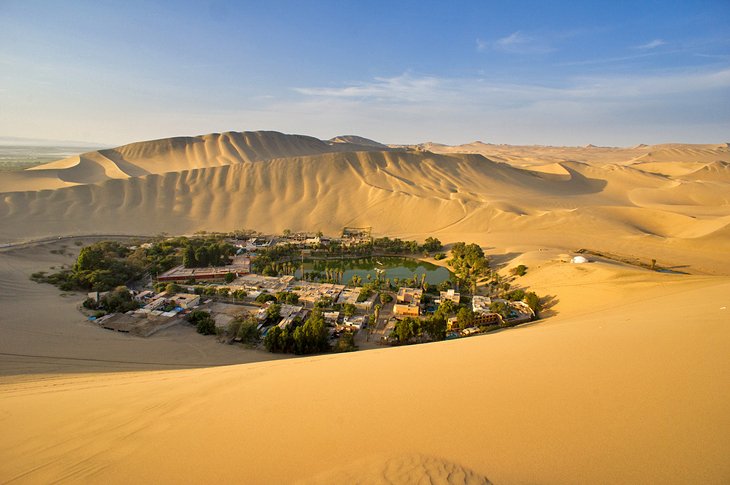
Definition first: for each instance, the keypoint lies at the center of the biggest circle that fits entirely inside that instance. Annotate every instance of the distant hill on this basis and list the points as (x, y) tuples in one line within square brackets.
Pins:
[(358, 140)]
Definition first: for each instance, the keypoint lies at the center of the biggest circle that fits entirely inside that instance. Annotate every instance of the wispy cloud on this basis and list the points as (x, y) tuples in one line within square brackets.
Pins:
[(608, 109), (404, 88), (408, 88), (651, 44), (517, 43)]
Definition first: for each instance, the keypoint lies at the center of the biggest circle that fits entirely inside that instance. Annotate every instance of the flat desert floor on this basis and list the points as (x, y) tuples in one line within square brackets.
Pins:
[(623, 381)]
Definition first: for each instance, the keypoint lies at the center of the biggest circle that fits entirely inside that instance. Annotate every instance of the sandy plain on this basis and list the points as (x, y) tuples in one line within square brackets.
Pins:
[(625, 380)]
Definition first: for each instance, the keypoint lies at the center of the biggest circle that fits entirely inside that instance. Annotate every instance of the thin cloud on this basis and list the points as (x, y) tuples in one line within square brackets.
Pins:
[(516, 43), (407, 88), (651, 44)]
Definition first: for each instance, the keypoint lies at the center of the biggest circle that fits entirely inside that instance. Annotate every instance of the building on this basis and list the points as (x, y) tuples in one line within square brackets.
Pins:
[(410, 295), (240, 265), (331, 318), (407, 309), (369, 304), (487, 318), (520, 312), (408, 302), (268, 284), (450, 295), (481, 304), (144, 296), (289, 313), (349, 295), (186, 300), (310, 293), (355, 322), (483, 315)]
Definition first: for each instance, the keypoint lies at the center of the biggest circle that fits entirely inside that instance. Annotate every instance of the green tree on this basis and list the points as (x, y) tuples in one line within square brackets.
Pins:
[(287, 297), (189, 260), (312, 336), (172, 288), (119, 300), (407, 329), (230, 277), (533, 301), (349, 309), (273, 313), (203, 322), (247, 330), (273, 341), (465, 317), (264, 297), (346, 343), (500, 307), (435, 326), (432, 244), (201, 256)]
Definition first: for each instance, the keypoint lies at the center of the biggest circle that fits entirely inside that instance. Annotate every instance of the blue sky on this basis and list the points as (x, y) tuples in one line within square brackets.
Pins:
[(558, 72)]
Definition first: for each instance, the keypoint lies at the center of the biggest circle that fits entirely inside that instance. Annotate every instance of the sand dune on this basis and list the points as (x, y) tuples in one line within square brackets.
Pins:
[(624, 381), (625, 385), (230, 181), (172, 155)]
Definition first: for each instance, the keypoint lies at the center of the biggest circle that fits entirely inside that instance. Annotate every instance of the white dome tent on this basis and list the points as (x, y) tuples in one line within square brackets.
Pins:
[(578, 260)]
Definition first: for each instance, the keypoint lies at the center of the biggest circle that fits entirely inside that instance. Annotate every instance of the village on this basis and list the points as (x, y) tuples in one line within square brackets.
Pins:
[(367, 315)]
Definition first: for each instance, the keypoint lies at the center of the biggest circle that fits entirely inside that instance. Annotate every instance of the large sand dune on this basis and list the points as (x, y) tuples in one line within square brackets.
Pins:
[(624, 381), (270, 181)]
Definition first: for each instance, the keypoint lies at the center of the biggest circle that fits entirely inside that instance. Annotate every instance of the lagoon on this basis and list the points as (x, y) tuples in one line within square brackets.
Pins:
[(391, 267)]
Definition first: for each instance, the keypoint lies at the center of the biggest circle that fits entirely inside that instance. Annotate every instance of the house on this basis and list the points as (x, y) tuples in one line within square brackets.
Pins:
[(450, 295), (480, 304), (186, 300), (349, 295), (410, 295), (407, 309), (144, 296), (487, 318), (331, 318), (483, 315), (368, 304), (289, 313), (355, 322)]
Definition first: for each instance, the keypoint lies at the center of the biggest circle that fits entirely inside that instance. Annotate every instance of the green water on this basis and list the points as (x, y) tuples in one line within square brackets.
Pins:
[(401, 268)]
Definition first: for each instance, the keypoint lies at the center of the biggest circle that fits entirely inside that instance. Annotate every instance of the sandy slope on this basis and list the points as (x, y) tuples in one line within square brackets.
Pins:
[(41, 330), (626, 385), (625, 381), (270, 181)]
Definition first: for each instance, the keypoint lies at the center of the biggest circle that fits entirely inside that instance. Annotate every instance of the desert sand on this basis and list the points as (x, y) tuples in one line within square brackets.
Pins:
[(624, 380)]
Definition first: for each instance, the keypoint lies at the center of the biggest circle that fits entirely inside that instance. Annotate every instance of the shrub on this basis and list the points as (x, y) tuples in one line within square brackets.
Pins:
[(203, 322), (346, 343), (533, 301), (264, 297), (519, 270)]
